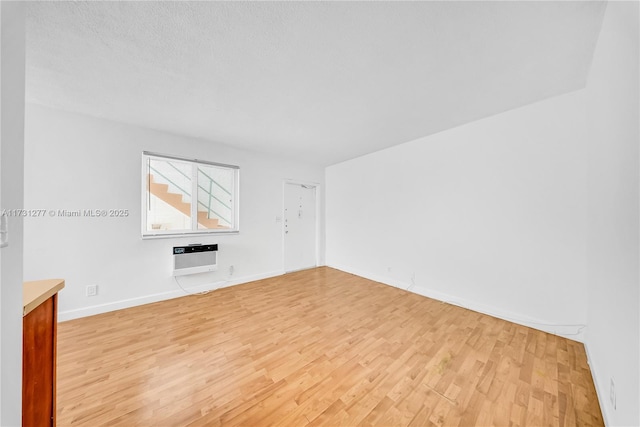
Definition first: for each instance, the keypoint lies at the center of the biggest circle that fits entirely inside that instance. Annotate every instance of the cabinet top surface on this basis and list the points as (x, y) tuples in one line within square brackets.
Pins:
[(36, 292)]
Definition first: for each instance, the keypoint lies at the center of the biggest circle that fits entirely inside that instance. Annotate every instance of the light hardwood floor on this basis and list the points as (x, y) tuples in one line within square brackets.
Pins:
[(318, 347)]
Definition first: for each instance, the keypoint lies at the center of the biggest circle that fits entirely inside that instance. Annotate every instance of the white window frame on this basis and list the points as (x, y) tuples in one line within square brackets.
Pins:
[(150, 234)]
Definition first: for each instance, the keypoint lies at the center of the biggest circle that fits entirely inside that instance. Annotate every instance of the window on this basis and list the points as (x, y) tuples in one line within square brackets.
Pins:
[(183, 196)]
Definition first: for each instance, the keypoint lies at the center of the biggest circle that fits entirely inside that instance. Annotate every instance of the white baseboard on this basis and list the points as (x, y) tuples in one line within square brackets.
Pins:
[(572, 332), (162, 296), (601, 392)]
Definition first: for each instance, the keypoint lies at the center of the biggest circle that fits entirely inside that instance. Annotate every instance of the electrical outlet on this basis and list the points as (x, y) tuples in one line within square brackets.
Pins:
[(231, 270), (92, 290), (612, 394)]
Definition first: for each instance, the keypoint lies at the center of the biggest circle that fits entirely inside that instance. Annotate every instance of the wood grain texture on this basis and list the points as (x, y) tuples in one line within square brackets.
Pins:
[(38, 365), (317, 348)]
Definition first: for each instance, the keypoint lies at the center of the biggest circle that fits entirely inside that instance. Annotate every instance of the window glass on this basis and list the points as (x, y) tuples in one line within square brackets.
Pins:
[(170, 207)]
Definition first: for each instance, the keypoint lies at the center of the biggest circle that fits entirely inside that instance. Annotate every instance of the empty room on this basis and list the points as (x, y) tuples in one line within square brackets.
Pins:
[(320, 213)]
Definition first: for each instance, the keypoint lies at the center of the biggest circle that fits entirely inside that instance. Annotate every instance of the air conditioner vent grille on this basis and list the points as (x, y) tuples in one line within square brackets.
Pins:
[(194, 259)]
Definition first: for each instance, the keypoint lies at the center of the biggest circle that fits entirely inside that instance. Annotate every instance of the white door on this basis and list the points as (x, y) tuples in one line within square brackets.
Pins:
[(299, 226)]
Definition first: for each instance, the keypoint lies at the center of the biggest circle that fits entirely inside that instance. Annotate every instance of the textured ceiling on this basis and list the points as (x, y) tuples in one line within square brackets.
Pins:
[(318, 81)]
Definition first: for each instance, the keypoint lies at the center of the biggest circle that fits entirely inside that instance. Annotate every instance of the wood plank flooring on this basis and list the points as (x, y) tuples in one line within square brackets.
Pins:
[(317, 348)]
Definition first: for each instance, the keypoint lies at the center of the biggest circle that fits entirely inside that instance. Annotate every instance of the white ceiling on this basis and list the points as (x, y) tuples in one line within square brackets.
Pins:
[(318, 81)]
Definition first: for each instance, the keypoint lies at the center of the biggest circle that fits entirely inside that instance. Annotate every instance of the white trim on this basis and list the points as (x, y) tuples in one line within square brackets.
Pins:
[(162, 296), (168, 234), (282, 222), (600, 392), (187, 159), (144, 193), (301, 182), (194, 198), (572, 332)]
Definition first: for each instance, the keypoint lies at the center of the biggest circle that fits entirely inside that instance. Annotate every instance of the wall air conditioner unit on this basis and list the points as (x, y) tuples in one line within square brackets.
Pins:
[(194, 259)]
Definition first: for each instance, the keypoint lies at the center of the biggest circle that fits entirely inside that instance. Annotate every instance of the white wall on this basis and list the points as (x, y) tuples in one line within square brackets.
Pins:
[(613, 215), (530, 214), (490, 215), (11, 184), (77, 162)]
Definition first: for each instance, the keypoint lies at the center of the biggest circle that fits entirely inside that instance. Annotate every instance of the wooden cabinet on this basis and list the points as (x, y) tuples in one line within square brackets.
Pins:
[(40, 307)]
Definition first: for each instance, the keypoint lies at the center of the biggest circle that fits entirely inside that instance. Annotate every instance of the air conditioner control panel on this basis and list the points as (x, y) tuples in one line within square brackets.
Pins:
[(177, 250)]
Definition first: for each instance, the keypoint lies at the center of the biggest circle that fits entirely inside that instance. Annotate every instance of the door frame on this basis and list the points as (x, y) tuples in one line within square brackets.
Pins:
[(316, 185)]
